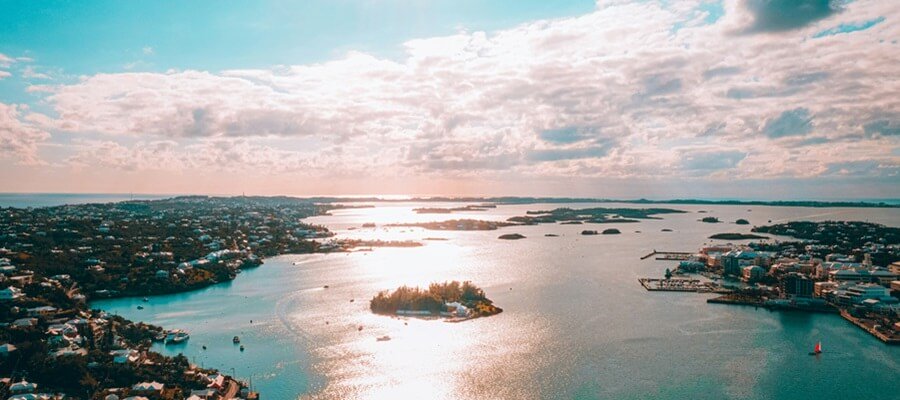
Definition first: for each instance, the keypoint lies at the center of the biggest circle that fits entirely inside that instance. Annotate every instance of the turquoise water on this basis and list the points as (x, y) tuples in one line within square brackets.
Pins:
[(576, 324)]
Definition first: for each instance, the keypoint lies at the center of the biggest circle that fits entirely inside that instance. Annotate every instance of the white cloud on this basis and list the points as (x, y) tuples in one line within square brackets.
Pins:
[(4, 74), (19, 139), (650, 101)]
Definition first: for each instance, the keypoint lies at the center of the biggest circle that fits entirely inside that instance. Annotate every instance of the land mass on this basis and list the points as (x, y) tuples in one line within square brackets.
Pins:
[(596, 215), (449, 299), (737, 236)]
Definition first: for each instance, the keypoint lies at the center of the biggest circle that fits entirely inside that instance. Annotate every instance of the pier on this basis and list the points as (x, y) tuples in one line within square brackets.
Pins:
[(669, 255), (676, 285), (870, 326)]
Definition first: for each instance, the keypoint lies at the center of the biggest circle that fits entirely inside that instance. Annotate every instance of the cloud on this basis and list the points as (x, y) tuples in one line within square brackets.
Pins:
[(785, 15), (796, 122), (4, 74), (613, 94), (147, 50), (30, 73), (19, 140), (6, 61)]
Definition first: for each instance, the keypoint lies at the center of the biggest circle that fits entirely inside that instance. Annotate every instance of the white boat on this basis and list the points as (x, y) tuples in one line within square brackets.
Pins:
[(177, 336)]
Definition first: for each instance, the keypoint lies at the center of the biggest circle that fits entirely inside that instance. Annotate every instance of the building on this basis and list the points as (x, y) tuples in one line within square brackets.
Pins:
[(753, 273), (856, 294), (895, 267), (820, 289), (799, 285), (10, 293)]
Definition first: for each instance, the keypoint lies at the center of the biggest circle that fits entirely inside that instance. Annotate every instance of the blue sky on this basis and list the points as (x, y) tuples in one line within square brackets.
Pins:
[(692, 98), (85, 37)]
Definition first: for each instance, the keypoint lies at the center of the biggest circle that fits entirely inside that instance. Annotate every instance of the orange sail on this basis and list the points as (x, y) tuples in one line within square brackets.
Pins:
[(818, 347)]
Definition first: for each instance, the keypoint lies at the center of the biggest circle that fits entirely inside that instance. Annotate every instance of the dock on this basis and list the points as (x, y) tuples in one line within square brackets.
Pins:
[(676, 285), (869, 326), (669, 255)]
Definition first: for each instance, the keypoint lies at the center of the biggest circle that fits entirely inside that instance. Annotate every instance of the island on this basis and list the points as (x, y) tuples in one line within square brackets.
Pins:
[(710, 220), (611, 231), (458, 225), (737, 236), (511, 236), (742, 221), (440, 210), (452, 300), (596, 215), (587, 232)]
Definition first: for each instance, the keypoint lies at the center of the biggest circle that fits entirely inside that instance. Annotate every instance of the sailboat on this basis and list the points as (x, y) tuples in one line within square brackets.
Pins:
[(817, 350)]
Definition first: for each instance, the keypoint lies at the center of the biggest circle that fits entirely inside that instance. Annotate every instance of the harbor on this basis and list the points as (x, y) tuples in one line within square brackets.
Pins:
[(669, 255), (873, 328)]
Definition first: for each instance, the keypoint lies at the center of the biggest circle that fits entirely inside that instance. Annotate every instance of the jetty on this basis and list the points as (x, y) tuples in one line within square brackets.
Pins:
[(872, 326), (669, 255), (677, 285)]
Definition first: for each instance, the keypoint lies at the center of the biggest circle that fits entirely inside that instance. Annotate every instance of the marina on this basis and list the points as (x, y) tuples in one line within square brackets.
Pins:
[(677, 285)]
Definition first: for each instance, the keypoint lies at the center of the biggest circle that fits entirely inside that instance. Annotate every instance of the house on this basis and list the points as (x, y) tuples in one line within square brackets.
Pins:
[(148, 387), (162, 274), (125, 356), (22, 387), (10, 293), (204, 393), (6, 349), (22, 322), (42, 311)]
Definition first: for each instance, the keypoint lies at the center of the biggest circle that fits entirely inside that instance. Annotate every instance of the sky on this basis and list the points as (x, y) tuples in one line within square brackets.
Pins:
[(755, 99)]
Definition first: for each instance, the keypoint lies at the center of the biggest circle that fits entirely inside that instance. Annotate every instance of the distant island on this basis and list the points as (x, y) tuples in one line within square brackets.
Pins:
[(742, 222), (562, 200), (439, 210), (710, 220), (737, 236), (459, 225), (455, 300), (596, 215), (611, 231), (512, 236)]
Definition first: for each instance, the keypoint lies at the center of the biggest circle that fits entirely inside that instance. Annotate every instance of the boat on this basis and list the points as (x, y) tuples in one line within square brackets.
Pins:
[(242, 347), (140, 307), (817, 350), (177, 336), (236, 340), (384, 338), (146, 299)]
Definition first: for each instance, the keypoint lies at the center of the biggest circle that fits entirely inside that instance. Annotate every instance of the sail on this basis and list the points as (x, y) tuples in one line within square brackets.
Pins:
[(818, 347)]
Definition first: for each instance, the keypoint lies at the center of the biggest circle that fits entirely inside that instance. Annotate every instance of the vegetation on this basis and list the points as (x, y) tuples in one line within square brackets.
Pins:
[(737, 236), (459, 225), (597, 215), (742, 221), (512, 236), (611, 231), (433, 299), (710, 220)]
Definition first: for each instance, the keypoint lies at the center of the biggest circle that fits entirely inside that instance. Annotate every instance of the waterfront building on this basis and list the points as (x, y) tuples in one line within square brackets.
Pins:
[(753, 273), (880, 276), (856, 294), (798, 285), (821, 289)]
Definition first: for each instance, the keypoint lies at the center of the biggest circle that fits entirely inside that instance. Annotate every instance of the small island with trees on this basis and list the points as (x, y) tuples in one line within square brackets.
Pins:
[(453, 300)]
